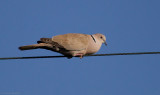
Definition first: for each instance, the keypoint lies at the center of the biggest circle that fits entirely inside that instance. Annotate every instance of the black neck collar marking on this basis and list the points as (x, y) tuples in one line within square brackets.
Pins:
[(93, 38)]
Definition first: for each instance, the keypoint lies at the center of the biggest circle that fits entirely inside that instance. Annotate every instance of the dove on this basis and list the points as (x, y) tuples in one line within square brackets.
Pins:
[(71, 44)]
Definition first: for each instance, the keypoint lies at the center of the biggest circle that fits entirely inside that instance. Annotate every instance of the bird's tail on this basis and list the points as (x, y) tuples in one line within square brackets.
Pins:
[(28, 47)]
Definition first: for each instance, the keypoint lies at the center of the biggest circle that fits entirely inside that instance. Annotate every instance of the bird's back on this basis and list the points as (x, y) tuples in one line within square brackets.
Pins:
[(72, 41)]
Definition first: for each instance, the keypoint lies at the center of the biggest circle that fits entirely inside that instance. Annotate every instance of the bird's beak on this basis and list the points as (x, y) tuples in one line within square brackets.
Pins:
[(105, 43)]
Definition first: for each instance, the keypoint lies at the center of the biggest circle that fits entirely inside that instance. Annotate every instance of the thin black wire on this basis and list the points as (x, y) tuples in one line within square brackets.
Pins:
[(111, 54)]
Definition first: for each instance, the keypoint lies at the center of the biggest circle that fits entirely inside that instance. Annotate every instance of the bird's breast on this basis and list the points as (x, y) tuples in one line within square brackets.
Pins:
[(93, 47)]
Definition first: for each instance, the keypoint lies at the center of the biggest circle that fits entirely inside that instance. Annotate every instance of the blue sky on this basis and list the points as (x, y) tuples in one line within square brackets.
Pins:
[(129, 25)]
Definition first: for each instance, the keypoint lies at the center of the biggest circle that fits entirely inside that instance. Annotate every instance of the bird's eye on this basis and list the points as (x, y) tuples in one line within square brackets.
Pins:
[(101, 37)]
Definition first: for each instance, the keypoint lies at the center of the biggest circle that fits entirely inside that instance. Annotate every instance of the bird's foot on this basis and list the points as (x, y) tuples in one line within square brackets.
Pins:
[(80, 55)]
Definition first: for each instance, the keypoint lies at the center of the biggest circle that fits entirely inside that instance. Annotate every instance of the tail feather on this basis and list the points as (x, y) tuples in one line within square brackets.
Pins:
[(28, 47)]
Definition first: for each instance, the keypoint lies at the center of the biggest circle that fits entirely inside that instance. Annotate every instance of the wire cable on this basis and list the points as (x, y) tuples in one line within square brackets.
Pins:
[(111, 54)]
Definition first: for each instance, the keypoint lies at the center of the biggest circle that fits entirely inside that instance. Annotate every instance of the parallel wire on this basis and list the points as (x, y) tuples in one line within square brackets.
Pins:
[(111, 54)]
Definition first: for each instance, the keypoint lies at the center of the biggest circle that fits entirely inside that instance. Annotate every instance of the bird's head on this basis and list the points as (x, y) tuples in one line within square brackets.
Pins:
[(101, 37)]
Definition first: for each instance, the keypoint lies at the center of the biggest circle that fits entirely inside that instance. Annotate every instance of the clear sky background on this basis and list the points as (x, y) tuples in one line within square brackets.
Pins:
[(129, 25)]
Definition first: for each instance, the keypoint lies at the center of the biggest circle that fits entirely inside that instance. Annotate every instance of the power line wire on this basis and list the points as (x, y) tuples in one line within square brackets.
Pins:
[(111, 54)]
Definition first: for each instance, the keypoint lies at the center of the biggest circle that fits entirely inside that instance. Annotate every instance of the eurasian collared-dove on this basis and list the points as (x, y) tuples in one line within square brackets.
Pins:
[(70, 45)]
